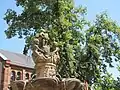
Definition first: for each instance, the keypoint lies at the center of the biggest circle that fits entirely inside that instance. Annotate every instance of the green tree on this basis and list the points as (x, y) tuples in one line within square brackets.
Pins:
[(106, 82), (84, 48)]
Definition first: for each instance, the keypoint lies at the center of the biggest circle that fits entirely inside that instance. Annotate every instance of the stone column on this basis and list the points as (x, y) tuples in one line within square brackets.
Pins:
[(15, 74), (23, 74), (30, 75)]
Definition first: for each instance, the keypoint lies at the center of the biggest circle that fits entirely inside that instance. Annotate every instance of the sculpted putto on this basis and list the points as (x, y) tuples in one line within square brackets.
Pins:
[(44, 55), (42, 49)]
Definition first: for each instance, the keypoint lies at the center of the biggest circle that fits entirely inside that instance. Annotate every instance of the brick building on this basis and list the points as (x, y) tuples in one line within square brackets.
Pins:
[(14, 66)]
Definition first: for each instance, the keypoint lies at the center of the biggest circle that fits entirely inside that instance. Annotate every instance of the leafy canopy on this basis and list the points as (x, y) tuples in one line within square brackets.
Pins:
[(85, 48)]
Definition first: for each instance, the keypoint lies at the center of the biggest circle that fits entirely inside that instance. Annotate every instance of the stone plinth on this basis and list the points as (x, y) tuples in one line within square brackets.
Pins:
[(45, 70), (43, 83)]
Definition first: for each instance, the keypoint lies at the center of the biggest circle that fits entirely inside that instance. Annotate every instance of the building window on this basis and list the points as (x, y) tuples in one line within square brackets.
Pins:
[(27, 76), (33, 76), (18, 76), (13, 75)]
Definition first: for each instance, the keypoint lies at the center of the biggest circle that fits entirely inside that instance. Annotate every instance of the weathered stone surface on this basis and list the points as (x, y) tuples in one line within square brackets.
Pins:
[(73, 84), (18, 85), (46, 57), (42, 84)]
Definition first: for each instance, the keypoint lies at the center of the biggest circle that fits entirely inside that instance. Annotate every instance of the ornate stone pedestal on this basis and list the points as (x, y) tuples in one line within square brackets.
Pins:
[(45, 60), (46, 70)]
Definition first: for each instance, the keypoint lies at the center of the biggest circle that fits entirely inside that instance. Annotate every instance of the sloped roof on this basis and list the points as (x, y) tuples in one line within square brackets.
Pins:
[(17, 58)]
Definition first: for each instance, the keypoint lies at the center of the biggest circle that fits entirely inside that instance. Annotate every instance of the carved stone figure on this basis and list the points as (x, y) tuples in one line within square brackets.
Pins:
[(46, 58), (41, 48)]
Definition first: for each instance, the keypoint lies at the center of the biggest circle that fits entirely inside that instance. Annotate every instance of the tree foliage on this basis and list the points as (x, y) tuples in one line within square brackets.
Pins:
[(85, 48), (107, 82)]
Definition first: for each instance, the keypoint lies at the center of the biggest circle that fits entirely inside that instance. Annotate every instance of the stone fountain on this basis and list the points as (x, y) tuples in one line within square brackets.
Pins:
[(46, 57)]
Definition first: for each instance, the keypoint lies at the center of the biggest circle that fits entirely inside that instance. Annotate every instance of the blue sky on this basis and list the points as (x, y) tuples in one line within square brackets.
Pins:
[(93, 7), (13, 44)]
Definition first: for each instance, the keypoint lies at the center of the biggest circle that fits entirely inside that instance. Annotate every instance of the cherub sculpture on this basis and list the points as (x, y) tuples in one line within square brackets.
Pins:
[(42, 49), (44, 56)]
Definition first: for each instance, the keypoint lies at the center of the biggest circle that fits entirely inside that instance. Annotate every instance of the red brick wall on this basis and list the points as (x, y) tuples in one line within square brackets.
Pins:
[(1, 75), (6, 82), (6, 74)]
